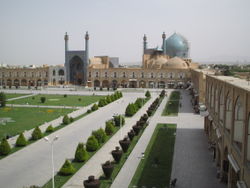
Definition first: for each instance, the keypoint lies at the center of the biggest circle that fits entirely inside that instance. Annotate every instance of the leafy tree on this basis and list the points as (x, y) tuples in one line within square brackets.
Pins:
[(118, 119), (4, 147), (109, 128), (49, 129), (67, 168), (102, 102), (81, 154), (2, 99), (43, 99), (66, 120), (147, 94), (37, 134), (100, 135), (92, 144), (130, 110), (21, 141), (94, 107)]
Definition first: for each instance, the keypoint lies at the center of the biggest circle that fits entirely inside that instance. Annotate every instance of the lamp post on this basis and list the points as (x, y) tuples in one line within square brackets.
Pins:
[(52, 156)]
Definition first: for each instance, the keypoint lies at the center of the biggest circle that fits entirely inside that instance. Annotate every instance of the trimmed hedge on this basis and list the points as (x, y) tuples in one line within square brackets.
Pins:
[(130, 110), (21, 141), (109, 128), (94, 107), (81, 154), (36, 134), (50, 129), (66, 120), (118, 119), (92, 144), (67, 168), (100, 135), (4, 147), (147, 94)]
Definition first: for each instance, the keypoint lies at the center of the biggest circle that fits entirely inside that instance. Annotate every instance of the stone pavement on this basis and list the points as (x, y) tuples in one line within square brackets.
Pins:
[(192, 162), (21, 97), (32, 164), (93, 166)]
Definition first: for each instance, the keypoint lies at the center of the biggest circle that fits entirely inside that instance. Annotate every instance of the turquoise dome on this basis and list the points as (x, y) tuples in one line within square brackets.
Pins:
[(177, 45)]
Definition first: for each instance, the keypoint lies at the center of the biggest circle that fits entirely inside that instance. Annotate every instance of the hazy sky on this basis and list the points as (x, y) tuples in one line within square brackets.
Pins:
[(32, 31)]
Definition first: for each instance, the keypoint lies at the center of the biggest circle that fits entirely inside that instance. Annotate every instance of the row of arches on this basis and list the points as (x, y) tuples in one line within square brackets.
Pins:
[(23, 82)]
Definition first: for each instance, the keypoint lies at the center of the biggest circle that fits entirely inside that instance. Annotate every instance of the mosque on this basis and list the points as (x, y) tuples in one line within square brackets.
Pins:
[(162, 67)]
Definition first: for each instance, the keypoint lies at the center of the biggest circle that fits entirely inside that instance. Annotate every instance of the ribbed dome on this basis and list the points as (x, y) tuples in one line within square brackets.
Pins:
[(177, 45), (176, 63)]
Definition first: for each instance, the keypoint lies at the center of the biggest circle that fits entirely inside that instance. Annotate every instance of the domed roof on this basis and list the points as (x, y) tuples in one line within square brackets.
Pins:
[(176, 63), (177, 45)]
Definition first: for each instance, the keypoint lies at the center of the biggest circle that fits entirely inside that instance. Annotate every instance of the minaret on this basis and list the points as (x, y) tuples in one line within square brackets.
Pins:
[(144, 43), (66, 65), (163, 43), (87, 47)]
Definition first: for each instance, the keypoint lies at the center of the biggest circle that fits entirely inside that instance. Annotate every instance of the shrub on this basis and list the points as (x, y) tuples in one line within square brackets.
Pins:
[(109, 128), (94, 107), (79, 99), (112, 97), (49, 129), (66, 120), (67, 168), (33, 97), (92, 144), (130, 110), (118, 119), (89, 111), (37, 134), (2, 99), (81, 154), (102, 102), (108, 99), (100, 135), (147, 94), (4, 147), (21, 140), (43, 99), (71, 119), (64, 95), (139, 102)]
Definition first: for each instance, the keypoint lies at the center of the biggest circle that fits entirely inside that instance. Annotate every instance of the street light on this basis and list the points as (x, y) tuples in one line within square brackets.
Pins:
[(52, 156)]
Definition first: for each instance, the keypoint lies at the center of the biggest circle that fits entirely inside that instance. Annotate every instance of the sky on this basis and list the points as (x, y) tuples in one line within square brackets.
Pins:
[(32, 31)]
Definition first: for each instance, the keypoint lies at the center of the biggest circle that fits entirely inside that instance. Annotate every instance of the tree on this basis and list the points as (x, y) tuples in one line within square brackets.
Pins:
[(66, 120), (100, 135), (21, 141), (94, 107), (147, 94), (108, 99), (81, 154), (37, 134), (2, 99), (67, 168), (118, 119), (102, 102), (43, 99), (109, 128), (49, 129), (92, 144), (130, 110), (4, 147)]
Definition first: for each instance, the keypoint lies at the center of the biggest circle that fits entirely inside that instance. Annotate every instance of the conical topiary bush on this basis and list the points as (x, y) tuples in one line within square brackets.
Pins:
[(67, 168), (21, 141), (81, 154), (92, 144), (4, 147), (109, 128), (49, 129), (100, 135), (36, 134)]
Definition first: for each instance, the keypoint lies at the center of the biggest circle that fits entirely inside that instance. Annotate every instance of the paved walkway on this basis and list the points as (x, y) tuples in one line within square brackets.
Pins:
[(42, 106), (192, 164), (21, 97), (93, 166), (32, 164)]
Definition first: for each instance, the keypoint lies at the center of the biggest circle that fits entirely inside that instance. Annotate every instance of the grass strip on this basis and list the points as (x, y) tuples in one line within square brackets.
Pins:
[(155, 169), (172, 106)]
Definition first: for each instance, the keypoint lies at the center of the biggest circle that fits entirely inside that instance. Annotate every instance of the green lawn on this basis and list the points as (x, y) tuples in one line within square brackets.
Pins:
[(27, 118), (155, 169), (13, 95), (58, 100), (172, 106)]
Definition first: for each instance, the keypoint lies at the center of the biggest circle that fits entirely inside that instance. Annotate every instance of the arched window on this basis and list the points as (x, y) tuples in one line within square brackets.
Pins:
[(61, 72), (238, 124), (54, 73), (228, 118)]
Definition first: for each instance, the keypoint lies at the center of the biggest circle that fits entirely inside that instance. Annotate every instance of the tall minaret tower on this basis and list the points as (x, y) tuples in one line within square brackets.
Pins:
[(87, 47), (144, 43), (66, 65), (163, 43)]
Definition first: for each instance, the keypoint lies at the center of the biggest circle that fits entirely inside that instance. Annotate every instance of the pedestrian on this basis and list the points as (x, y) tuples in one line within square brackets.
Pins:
[(180, 104), (173, 182)]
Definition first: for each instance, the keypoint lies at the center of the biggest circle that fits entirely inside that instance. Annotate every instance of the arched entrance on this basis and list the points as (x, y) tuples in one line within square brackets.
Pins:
[(142, 84), (151, 84), (9, 82), (39, 82), (124, 83), (132, 84), (96, 83), (114, 84), (16, 83), (76, 68), (23, 82), (225, 167), (105, 83), (161, 84), (31, 83)]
